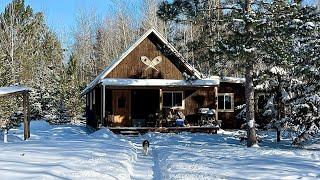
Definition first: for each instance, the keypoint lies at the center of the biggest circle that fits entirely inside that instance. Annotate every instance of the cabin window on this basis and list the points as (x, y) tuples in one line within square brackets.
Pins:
[(226, 102), (173, 99), (122, 102)]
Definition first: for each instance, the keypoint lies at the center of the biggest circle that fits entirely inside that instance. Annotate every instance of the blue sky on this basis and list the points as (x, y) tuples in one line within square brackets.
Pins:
[(61, 14)]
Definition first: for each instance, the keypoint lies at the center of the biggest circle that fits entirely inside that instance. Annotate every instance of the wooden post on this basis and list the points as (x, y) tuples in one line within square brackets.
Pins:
[(103, 103), (5, 135), (26, 114), (216, 101), (90, 100), (160, 107), (101, 106)]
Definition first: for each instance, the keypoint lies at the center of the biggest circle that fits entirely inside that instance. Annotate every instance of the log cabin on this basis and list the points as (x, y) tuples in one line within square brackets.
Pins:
[(151, 78)]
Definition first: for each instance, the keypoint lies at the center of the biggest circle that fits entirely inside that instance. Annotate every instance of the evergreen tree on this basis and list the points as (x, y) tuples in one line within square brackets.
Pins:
[(291, 51), (31, 55)]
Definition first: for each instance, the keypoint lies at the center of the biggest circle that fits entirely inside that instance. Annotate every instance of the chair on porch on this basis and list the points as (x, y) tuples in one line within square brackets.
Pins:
[(151, 120), (171, 116), (168, 118)]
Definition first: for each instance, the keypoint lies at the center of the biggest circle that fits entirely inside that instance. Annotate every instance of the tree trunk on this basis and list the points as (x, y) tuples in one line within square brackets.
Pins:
[(278, 135), (5, 135), (249, 95), (249, 89), (280, 110)]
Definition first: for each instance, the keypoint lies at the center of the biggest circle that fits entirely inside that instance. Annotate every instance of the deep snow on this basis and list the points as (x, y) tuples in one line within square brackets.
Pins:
[(74, 152)]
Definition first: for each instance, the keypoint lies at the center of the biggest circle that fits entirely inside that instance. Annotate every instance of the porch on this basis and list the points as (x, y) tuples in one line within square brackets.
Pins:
[(150, 103)]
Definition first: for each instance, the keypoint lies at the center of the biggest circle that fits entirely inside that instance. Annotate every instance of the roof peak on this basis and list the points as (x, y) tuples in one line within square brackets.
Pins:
[(114, 63)]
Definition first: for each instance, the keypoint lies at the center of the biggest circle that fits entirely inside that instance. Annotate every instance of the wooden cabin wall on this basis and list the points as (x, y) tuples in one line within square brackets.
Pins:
[(108, 105), (195, 99), (97, 105), (132, 67), (229, 119), (90, 113)]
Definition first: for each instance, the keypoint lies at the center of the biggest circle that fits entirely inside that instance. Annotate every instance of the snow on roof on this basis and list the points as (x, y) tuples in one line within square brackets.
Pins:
[(12, 89), (160, 82), (229, 79), (109, 68)]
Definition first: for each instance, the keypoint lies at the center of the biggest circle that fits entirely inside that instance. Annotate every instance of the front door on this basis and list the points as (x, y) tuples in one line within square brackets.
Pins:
[(121, 107)]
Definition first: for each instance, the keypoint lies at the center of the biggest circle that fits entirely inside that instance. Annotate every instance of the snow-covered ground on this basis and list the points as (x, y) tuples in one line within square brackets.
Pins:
[(74, 152)]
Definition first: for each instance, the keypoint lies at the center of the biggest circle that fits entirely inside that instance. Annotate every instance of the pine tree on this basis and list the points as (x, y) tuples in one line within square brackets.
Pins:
[(31, 55), (291, 51)]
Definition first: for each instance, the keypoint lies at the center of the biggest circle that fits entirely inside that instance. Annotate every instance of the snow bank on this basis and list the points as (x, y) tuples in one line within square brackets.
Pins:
[(65, 152), (104, 133), (222, 156), (73, 152)]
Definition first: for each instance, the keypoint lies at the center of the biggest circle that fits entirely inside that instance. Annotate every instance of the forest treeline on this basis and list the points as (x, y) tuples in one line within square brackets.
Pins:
[(31, 54), (274, 45)]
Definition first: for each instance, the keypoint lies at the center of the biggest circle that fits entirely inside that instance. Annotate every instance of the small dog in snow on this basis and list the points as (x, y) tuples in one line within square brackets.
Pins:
[(145, 145)]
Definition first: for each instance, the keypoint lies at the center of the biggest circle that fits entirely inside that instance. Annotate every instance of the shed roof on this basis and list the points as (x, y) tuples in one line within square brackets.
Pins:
[(4, 91), (109, 68), (159, 82)]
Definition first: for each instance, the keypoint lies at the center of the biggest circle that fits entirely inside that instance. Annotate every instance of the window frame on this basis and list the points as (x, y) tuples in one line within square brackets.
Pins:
[(224, 101), (172, 100)]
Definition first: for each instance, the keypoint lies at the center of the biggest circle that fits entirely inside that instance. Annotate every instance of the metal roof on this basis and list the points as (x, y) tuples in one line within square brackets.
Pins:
[(13, 89)]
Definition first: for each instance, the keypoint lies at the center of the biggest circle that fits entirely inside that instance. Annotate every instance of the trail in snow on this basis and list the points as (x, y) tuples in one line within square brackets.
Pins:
[(145, 167), (157, 174), (73, 152)]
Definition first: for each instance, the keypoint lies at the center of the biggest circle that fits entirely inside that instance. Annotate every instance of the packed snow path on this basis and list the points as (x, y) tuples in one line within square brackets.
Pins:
[(74, 152), (144, 166)]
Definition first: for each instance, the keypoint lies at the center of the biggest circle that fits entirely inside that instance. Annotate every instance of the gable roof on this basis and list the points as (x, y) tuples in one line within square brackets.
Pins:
[(114, 64)]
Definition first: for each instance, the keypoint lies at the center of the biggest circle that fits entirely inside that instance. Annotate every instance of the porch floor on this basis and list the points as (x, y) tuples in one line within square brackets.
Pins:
[(143, 130)]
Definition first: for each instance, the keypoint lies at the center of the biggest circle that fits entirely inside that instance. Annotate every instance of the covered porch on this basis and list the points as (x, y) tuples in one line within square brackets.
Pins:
[(147, 102)]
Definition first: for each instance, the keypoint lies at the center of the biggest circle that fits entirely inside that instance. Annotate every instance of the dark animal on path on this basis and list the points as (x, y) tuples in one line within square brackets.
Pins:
[(145, 145)]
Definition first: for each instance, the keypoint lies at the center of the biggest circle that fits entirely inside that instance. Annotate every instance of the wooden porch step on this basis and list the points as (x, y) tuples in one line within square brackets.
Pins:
[(129, 132), (143, 130)]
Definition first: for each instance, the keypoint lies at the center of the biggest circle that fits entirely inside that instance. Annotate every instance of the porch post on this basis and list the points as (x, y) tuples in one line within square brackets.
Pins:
[(103, 102), (160, 107), (101, 106), (216, 99), (90, 99), (26, 112)]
